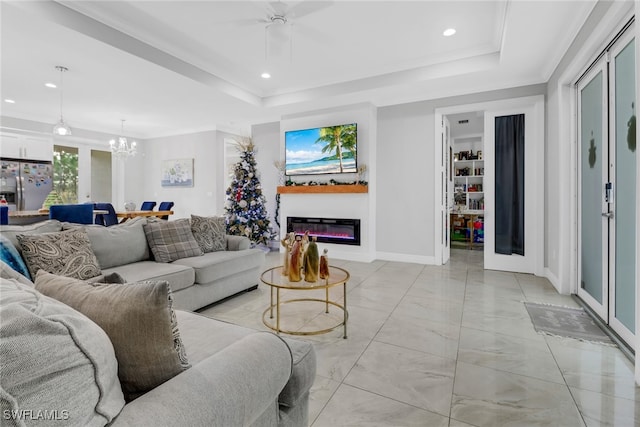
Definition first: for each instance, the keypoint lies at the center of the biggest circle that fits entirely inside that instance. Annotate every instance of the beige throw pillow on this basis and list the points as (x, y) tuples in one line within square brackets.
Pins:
[(67, 253), (209, 232), (171, 240), (139, 320)]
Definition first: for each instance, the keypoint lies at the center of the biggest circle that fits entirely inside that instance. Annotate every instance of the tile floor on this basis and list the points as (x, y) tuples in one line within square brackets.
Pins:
[(451, 346)]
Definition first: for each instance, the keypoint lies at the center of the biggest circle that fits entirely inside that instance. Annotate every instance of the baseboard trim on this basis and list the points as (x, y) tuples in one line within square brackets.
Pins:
[(553, 279), (397, 257)]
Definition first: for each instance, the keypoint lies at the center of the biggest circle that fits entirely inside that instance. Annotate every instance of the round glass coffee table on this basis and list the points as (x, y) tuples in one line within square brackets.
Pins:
[(276, 281)]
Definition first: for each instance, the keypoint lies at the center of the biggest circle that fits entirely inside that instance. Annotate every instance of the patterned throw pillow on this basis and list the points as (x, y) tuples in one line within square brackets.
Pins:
[(67, 253), (209, 232), (139, 320), (171, 240)]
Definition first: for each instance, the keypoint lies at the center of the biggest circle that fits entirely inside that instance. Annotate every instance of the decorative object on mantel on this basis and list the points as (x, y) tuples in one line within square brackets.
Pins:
[(61, 128), (122, 148), (280, 165), (177, 173), (324, 264), (245, 206), (326, 189)]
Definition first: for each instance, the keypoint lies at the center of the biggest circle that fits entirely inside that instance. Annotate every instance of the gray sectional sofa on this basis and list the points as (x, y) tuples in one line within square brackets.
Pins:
[(195, 281), (61, 367)]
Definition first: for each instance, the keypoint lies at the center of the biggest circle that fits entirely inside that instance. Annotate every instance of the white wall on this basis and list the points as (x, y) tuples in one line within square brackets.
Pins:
[(405, 173), (266, 138), (204, 198), (359, 206)]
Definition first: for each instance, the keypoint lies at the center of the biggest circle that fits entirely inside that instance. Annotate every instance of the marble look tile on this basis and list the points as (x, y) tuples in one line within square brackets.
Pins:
[(509, 354), (434, 309), (600, 368), (335, 355), (439, 339), (456, 423), (499, 279), (320, 393), (514, 326), (409, 376), (381, 299), (486, 397), (351, 406), (602, 410)]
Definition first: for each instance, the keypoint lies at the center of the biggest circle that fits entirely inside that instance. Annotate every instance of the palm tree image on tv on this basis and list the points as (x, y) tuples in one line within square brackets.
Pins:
[(331, 149), (337, 138)]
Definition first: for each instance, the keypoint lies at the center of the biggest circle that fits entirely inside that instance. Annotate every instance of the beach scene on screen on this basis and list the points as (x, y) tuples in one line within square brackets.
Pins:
[(321, 150)]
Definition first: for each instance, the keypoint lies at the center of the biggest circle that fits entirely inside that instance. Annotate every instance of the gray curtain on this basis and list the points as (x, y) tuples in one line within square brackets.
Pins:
[(509, 209)]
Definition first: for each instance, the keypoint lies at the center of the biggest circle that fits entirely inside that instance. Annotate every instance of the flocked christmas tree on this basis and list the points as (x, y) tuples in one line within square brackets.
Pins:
[(245, 207)]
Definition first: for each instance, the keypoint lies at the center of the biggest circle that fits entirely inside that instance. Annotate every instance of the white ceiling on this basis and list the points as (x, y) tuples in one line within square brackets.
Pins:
[(171, 67)]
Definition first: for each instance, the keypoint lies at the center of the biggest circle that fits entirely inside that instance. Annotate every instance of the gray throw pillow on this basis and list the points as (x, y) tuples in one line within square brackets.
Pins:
[(54, 358), (139, 320), (67, 253), (209, 232), (171, 240)]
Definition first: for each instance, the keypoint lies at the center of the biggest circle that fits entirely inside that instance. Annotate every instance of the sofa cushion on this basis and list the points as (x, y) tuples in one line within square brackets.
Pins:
[(11, 231), (209, 232), (56, 359), (67, 253), (171, 240), (217, 265), (10, 255), (139, 320), (119, 244), (178, 276), (304, 372)]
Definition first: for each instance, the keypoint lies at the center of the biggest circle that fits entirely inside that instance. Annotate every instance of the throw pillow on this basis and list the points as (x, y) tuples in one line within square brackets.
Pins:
[(55, 359), (209, 232), (10, 255), (171, 240), (139, 320), (67, 253)]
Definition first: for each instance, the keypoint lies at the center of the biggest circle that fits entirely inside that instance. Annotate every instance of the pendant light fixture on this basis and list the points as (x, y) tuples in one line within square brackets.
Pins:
[(121, 148), (61, 128)]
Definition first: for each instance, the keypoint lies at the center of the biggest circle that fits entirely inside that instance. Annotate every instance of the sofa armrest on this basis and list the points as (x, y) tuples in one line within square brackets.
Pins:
[(237, 243), (230, 388)]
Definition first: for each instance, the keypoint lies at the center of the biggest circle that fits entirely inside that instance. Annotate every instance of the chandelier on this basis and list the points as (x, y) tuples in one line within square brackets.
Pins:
[(61, 128), (121, 148)]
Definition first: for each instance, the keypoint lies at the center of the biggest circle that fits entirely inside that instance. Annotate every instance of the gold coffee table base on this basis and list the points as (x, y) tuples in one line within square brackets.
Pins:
[(318, 332), (274, 278)]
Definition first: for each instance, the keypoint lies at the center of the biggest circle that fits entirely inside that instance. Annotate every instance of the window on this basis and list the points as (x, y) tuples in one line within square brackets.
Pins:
[(65, 173)]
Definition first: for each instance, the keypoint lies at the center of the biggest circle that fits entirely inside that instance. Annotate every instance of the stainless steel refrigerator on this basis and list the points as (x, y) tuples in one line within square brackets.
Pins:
[(25, 184)]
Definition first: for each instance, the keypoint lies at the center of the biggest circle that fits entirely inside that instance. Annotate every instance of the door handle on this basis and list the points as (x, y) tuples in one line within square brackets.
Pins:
[(607, 215)]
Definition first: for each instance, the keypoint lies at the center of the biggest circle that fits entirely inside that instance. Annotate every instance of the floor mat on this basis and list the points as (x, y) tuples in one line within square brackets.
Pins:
[(566, 322)]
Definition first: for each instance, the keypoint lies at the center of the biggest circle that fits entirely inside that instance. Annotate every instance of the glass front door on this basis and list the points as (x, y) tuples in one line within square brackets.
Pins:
[(607, 187)]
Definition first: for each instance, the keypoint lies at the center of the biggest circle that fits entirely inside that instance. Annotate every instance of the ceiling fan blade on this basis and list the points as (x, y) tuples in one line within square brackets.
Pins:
[(239, 23), (305, 8)]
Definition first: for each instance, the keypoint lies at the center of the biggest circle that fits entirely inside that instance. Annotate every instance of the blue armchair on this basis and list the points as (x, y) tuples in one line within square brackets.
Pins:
[(107, 219), (165, 206), (147, 206), (80, 214)]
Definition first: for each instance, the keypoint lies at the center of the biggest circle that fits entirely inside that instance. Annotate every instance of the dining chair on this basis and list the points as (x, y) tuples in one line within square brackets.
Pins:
[(147, 206), (107, 219), (4, 215), (80, 214), (165, 206)]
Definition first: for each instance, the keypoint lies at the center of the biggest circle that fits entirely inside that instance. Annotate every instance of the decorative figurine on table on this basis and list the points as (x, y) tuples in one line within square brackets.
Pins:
[(324, 265), (305, 241), (311, 261), (296, 261), (287, 243)]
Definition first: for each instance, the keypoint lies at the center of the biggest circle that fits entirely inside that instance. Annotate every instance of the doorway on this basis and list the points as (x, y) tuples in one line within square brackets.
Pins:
[(532, 109), (466, 174), (607, 169)]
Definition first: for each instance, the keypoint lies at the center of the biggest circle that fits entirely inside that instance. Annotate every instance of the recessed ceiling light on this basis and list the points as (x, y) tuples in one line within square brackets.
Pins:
[(265, 75), (449, 32), (51, 85), (9, 101)]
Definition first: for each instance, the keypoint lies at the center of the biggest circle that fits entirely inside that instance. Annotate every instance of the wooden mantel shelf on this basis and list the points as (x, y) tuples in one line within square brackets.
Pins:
[(308, 189)]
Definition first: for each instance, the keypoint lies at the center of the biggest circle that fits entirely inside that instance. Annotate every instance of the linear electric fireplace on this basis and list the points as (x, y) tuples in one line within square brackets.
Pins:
[(327, 230)]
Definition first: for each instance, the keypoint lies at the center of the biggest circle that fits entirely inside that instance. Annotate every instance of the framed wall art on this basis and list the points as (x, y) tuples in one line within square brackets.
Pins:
[(177, 173)]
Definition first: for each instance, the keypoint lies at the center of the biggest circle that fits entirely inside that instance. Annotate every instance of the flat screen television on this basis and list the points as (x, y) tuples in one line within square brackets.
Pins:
[(323, 150)]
